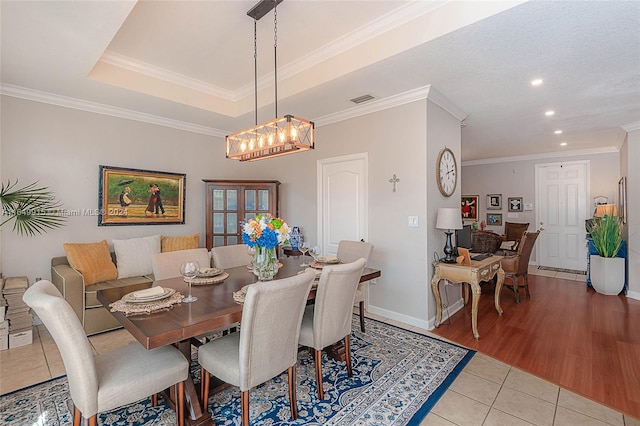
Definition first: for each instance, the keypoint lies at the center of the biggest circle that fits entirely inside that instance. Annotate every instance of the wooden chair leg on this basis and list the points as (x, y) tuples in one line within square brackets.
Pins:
[(244, 398), (154, 400), (526, 285), (347, 354), (93, 420), (362, 316), (293, 400), (77, 416), (204, 388), (515, 288), (180, 404), (317, 357)]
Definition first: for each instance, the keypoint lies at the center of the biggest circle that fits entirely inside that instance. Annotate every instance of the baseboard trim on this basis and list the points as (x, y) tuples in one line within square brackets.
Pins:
[(417, 322), (633, 295)]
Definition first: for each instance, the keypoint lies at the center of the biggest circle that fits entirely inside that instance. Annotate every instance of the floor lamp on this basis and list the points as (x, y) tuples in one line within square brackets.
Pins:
[(449, 218)]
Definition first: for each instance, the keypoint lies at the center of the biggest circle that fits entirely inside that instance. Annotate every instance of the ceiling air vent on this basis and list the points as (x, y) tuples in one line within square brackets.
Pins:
[(361, 99)]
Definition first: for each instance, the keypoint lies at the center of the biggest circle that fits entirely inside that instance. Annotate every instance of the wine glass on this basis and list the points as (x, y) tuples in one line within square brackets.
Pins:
[(314, 252), (304, 248), (189, 270)]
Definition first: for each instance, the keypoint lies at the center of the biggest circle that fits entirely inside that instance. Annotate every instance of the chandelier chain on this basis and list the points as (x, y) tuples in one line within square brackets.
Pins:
[(275, 52), (255, 68)]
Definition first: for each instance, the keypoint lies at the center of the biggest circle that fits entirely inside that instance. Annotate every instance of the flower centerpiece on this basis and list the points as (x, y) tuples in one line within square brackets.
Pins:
[(264, 233)]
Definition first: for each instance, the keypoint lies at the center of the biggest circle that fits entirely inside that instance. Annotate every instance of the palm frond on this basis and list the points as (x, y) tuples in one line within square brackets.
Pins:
[(33, 208)]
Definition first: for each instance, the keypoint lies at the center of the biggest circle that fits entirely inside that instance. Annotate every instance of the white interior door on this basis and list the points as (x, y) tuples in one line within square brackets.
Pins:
[(561, 192), (342, 201)]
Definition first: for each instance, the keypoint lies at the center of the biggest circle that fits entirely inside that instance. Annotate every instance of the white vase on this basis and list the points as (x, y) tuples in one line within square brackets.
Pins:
[(607, 274)]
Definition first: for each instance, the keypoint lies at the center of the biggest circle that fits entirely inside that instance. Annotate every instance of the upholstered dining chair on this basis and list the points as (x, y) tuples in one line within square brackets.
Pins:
[(110, 380), (167, 265), (267, 343), (350, 251), (328, 321), (231, 256), (517, 266)]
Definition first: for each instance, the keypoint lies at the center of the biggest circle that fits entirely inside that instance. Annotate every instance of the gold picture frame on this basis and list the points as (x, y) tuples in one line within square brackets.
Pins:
[(140, 197)]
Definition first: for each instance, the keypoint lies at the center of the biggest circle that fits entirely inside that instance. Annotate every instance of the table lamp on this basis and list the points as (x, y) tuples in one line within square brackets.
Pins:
[(449, 218)]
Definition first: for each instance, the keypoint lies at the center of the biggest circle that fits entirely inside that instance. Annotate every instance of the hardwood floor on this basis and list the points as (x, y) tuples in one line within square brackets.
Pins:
[(566, 333)]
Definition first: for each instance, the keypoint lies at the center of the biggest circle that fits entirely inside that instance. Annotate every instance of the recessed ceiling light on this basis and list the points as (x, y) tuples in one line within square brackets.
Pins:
[(557, 132), (549, 113), (563, 144), (536, 82)]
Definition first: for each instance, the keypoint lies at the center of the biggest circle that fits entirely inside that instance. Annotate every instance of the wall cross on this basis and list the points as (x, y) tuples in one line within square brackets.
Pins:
[(394, 180)]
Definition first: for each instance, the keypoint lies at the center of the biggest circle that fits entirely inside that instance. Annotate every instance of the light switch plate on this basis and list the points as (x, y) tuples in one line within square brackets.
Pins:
[(413, 221)]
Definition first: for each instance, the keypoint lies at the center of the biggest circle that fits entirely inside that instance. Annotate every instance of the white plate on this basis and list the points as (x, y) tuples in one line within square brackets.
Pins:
[(132, 299), (209, 272)]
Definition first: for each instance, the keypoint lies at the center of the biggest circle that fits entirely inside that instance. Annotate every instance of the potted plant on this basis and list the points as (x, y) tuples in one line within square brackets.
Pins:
[(607, 270), (33, 209)]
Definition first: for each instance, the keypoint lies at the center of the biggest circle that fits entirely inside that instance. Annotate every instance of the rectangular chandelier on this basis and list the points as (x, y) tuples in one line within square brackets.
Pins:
[(280, 136)]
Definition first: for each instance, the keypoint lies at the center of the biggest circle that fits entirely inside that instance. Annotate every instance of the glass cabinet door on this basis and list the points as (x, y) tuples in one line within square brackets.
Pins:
[(229, 203)]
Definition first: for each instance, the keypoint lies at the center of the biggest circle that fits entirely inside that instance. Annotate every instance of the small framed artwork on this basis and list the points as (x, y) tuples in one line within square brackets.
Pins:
[(515, 204), (494, 201), (494, 219), (140, 197), (469, 207)]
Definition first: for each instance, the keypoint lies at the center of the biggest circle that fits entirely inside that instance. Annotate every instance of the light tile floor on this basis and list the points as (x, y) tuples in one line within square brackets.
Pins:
[(487, 391)]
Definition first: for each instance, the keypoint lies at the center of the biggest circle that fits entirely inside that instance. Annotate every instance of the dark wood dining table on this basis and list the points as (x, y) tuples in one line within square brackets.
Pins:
[(215, 309)]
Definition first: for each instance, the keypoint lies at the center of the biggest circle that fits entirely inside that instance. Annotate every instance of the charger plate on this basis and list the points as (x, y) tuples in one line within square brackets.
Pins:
[(131, 298), (210, 280)]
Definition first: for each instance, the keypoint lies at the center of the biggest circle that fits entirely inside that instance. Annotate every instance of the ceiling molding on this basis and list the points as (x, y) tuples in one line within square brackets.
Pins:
[(374, 106), (143, 68), (393, 19), (79, 104), (579, 152), (444, 103), (631, 127)]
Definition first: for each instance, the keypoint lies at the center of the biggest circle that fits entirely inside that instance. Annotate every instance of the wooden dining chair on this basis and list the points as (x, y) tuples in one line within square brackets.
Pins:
[(167, 265), (267, 343), (350, 251), (328, 321), (106, 381), (225, 257), (516, 267)]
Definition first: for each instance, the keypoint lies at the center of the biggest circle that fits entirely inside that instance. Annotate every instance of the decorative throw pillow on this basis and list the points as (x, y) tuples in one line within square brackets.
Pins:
[(134, 255), (92, 260), (182, 242)]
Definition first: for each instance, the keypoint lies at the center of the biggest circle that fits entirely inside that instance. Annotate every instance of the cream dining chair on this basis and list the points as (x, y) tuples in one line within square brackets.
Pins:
[(107, 381), (226, 257), (328, 321), (350, 251), (267, 343), (167, 265)]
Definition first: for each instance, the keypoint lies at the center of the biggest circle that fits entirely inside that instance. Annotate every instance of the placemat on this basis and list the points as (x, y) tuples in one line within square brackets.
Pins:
[(238, 296), (209, 280), (146, 308), (319, 265)]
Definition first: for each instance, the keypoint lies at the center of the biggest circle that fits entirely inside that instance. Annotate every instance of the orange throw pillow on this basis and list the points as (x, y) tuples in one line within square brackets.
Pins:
[(183, 242), (92, 260)]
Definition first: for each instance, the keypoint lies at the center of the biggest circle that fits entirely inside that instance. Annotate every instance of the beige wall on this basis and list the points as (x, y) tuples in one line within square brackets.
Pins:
[(633, 210), (62, 148)]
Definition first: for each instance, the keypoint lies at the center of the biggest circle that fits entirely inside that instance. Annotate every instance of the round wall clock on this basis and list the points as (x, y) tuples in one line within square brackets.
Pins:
[(447, 172)]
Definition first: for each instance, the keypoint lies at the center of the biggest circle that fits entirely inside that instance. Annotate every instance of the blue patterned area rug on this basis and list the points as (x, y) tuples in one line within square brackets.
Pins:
[(398, 376)]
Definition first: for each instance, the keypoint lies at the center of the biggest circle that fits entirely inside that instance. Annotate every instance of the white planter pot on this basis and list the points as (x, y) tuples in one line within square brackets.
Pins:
[(607, 274)]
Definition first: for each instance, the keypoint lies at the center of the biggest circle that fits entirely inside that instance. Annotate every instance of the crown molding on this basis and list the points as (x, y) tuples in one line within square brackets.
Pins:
[(143, 68), (374, 106), (82, 105), (579, 152), (631, 127), (444, 103), (391, 20)]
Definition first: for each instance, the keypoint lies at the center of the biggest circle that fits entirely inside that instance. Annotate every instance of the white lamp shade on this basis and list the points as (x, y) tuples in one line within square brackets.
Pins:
[(449, 218)]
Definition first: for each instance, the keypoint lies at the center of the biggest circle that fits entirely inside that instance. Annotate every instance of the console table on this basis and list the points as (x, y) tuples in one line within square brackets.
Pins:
[(478, 271)]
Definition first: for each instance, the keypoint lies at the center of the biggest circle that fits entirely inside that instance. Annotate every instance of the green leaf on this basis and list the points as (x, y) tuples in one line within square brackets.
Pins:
[(607, 236), (33, 209)]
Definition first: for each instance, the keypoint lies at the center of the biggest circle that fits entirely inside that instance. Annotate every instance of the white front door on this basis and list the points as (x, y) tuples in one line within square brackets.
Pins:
[(342, 201), (561, 197)]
